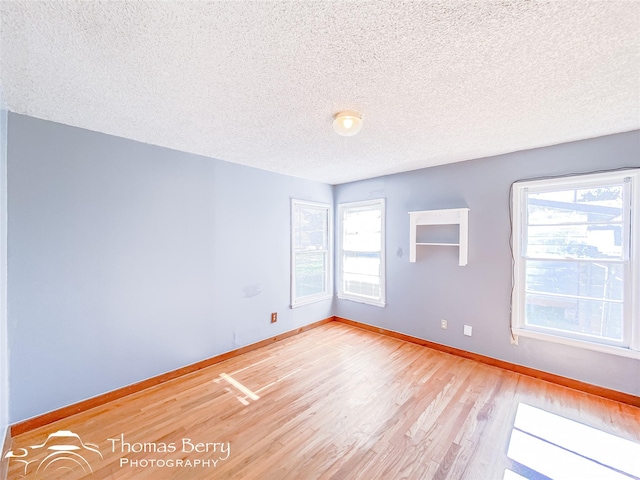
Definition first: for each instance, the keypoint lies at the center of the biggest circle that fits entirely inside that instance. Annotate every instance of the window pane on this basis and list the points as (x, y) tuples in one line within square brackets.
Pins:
[(575, 241), (310, 228), (596, 318), (361, 256), (361, 273), (362, 229), (593, 205), (576, 246), (310, 274), (586, 279), (311, 252)]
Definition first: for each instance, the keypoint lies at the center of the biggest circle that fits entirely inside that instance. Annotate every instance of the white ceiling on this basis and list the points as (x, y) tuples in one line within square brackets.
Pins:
[(257, 83)]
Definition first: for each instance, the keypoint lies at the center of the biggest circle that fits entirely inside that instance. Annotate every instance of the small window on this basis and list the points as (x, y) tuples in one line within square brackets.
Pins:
[(361, 259), (577, 265), (310, 252)]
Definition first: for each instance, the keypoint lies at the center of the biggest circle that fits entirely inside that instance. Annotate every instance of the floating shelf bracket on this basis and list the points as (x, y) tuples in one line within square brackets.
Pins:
[(450, 216)]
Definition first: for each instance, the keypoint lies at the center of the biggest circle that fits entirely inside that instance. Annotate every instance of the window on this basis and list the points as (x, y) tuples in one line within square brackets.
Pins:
[(361, 258), (577, 262), (310, 252)]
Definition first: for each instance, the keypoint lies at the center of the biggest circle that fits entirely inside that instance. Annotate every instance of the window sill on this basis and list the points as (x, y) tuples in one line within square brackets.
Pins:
[(313, 299), (598, 347), (368, 301)]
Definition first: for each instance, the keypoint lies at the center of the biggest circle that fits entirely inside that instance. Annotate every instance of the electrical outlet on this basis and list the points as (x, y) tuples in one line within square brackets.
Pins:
[(467, 330), (443, 324), (274, 317)]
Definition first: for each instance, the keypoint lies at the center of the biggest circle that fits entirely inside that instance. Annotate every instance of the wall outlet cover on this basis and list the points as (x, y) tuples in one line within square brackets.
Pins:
[(467, 330)]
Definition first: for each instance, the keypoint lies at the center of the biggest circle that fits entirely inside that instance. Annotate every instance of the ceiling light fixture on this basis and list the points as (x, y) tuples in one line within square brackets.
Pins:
[(347, 123)]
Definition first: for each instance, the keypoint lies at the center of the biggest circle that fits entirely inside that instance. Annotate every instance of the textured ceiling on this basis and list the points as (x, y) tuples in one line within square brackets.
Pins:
[(257, 83)]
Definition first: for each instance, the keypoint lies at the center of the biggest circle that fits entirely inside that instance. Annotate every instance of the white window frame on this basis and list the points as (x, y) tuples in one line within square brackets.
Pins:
[(630, 346), (328, 253), (342, 294)]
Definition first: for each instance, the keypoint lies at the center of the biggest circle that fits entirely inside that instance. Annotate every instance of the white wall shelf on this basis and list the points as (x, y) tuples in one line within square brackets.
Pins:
[(450, 216)]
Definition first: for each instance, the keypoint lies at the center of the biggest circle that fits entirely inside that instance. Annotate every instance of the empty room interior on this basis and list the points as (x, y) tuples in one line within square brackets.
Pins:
[(320, 240)]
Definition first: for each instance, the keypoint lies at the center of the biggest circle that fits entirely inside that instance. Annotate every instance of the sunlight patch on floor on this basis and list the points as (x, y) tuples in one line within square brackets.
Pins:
[(559, 448)]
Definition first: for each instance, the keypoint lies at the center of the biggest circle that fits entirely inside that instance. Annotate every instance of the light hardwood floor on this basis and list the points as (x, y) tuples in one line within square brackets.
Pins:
[(335, 402)]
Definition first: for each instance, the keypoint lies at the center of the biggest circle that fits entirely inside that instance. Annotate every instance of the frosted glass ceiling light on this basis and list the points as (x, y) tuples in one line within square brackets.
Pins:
[(347, 123)]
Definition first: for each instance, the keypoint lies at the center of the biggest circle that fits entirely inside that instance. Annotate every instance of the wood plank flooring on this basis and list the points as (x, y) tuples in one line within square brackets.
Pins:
[(336, 402)]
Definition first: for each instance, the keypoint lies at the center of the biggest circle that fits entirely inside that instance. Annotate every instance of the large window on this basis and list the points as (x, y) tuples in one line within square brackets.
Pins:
[(361, 252), (310, 252), (577, 262)]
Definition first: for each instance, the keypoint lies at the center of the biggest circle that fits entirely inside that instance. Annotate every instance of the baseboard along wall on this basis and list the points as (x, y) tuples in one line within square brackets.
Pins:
[(64, 412), (531, 372)]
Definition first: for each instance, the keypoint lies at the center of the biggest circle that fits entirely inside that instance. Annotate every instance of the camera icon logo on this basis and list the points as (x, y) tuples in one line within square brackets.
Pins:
[(62, 451)]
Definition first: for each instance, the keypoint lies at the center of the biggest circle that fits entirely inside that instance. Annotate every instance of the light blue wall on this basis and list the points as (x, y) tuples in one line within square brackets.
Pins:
[(4, 355), (420, 294), (127, 260)]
